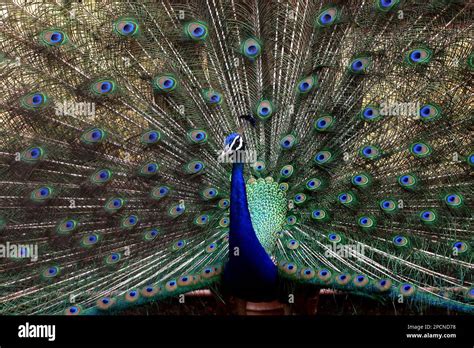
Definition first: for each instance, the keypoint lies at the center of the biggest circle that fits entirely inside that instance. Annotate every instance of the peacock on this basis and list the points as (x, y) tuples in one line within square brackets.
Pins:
[(248, 147)]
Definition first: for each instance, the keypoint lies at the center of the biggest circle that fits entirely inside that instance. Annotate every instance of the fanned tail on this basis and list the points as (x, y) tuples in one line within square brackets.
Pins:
[(359, 116)]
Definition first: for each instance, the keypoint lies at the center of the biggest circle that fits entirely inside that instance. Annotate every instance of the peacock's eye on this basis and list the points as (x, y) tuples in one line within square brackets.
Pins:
[(370, 113), (90, 240), (53, 37), (197, 136), (165, 83), (288, 142), (212, 97), (126, 27), (366, 222), (51, 272), (328, 17), (429, 112), (454, 200), (307, 84), (114, 204), (209, 193), (419, 55), (324, 123), (103, 87), (148, 169), (251, 48), (264, 109), (93, 136), (386, 5), (323, 157), (420, 149), (428, 216), (400, 241), (150, 234), (286, 171), (101, 176), (370, 152), (360, 65), (41, 194), (406, 289), (150, 137), (34, 101), (32, 154), (130, 221), (196, 30)]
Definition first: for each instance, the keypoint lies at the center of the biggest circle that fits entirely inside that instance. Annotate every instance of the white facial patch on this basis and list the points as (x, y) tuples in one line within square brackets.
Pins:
[(234, 142)]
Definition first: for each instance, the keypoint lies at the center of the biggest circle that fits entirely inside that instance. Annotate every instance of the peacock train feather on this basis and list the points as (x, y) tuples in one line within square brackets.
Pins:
[(148, 149)]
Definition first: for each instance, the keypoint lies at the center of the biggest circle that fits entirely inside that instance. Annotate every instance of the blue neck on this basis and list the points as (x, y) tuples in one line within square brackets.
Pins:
[(250, 273)]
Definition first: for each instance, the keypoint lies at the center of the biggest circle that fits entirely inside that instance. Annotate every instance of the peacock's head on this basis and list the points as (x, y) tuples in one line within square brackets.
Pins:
[(233, 142), (234, 149)]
